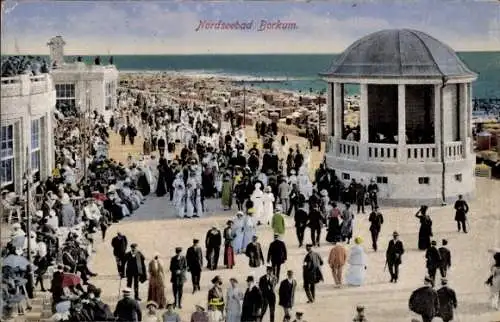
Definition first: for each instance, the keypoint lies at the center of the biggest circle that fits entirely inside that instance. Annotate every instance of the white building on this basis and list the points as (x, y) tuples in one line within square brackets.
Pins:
[(87, 86), (27, 106), (415, 87)]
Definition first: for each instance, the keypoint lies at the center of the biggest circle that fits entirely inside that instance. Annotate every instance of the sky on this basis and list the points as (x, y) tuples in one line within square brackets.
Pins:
[(168, 27)]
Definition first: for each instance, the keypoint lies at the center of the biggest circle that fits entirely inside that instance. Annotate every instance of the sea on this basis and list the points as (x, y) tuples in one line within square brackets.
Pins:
[(297, 72)]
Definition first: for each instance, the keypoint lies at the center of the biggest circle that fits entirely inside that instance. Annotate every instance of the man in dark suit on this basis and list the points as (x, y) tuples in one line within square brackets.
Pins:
[(287, 293), (194, 259), (266, 286), (433, 261), (301, 217), (276, 255), (56, 287), (128, 309), (376, 221), (425, 301), (445, 258), (311, 273), (119, 244), (393, 255), (462, 208), (252, 302), (213, 242), (135, 269), (178, 267)]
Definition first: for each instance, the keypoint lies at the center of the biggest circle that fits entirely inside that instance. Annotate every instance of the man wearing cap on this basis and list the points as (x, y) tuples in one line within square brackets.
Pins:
[(267, 284), (128, 309), (287, 292), (119, 244), (178, 267), (447, 301), (311, 272), (425, 301), (393, 255), (461, 208), (445, 258), (252, 302), (298, 317), (135, 269), (254, 253), (194, 260), (433, 261), (277, 255), (376, 221)]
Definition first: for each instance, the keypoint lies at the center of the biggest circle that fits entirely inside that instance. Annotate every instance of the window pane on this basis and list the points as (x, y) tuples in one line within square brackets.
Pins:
[(35, 160), (7, 171), (7, 142), (35, 134)]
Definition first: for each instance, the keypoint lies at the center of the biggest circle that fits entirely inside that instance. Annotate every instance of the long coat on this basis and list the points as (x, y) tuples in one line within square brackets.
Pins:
[(278, 224), (194, 259), (252, 304), (127, 309), (447, 302), (287, 293), (255, 255), (156, 289), (276, 253), (234, 297), (312, 268), (135, 265), (178, 267)]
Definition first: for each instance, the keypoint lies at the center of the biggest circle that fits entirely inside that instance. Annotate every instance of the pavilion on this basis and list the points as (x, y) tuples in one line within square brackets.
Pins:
[(414, 134)]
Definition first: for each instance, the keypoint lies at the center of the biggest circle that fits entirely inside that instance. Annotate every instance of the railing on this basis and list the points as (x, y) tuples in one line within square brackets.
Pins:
[(380, 152), (348, 149), (454, 150), (17, 86), (421, 152)]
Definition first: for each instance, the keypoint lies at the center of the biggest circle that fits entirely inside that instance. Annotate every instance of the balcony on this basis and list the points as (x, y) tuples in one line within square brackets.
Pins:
[(24, 85), (415, 153)]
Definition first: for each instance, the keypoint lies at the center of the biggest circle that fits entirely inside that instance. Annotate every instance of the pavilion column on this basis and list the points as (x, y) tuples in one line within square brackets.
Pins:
[(337, 117), (464, 111), (329, 102), (363, 123), (437, 121), (402, 155)]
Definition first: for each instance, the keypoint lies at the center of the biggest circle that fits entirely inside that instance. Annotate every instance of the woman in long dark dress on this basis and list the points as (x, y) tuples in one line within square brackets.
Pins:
[(425, 232), (334, 233), (161, 188)]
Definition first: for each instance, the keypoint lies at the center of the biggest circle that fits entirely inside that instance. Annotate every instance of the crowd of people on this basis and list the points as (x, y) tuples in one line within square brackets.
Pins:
[(23, 65)]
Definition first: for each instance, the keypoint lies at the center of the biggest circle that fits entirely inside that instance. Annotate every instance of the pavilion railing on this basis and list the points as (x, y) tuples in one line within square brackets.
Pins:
[(454, 150), (348, 149), (381, 152), (421, 152)]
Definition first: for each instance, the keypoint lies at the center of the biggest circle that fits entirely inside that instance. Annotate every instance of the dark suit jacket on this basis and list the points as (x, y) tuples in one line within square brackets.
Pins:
[(394, 252), (287, 293), (178, 267), (252, 304), (128, 309), (266, 286), (194, 258), (119, 245), (135, 265), (276, 253), (445, 257)]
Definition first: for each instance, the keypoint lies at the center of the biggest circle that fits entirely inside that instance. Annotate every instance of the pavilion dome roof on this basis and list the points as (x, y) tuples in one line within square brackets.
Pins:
[(401, 53)]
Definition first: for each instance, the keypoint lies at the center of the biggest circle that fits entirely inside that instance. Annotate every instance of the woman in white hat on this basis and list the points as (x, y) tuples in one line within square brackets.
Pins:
[(152, 314), (267, 205)]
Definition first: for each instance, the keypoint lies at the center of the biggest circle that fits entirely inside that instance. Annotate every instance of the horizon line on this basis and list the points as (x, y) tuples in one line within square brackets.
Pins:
[(217, 54)]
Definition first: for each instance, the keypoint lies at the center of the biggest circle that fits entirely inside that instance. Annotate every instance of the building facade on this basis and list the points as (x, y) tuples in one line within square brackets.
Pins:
[(81, 86), (415, 113), (27, 107)]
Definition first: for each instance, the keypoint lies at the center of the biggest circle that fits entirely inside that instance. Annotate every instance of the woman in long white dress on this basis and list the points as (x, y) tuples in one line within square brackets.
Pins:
[(267, 205), (357, 264), (256, 198), (189, 200), (234, 298), (179, 195), (238, 224)]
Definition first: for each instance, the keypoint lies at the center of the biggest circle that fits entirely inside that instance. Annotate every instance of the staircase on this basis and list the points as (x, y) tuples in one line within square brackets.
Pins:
[(41, 309)]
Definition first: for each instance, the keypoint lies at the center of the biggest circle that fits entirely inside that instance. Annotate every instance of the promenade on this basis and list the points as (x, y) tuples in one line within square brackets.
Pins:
[(155, 229)]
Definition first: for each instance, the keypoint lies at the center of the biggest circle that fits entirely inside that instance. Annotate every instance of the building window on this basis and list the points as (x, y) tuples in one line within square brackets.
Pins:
[(423, 180), (458, 177), (382, 180), (35, 145), (109, 95), (65, 99), (346, 176), (7, 156)]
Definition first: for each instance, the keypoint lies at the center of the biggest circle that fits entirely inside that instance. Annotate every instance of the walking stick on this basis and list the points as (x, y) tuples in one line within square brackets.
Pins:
[(385, 266), (119, 287)]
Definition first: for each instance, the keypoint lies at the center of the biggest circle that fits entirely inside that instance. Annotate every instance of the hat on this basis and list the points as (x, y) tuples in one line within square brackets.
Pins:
[(299, 313), (395, 233), (196, 241), (433, 243), (133, 245), (127, 291), (293, 172), (229, 222), (269, 268), (39, 213), (19, 251), (216, 279), (278, 208), (239, 213), (427, 279), (16, 226), (444, 281), (199, 306), (152, 303), (324, 193), (358, 240), (250, 278), (178, 249), (276, 235), (309, 246)]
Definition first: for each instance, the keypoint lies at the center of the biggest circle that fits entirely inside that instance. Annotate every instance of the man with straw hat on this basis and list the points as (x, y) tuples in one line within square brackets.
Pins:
[(151, 315), (199, 315), (128, 309), (393, 255)]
